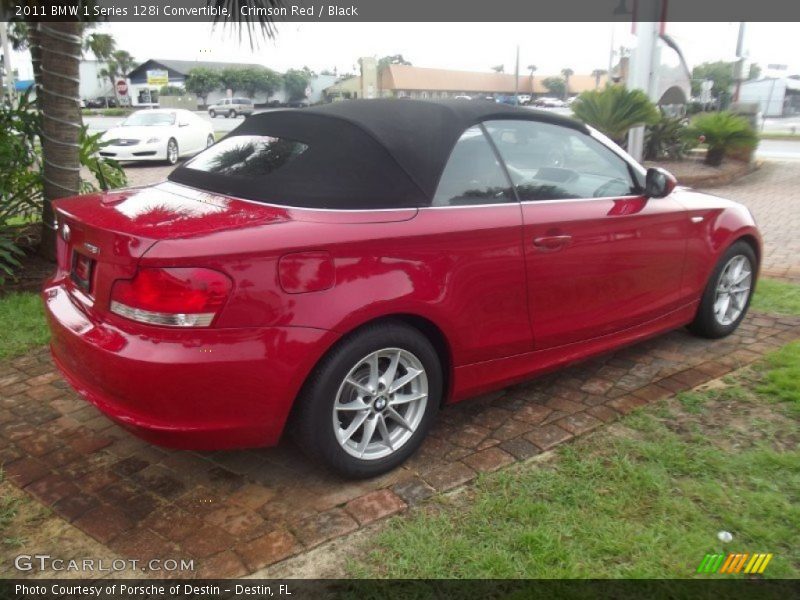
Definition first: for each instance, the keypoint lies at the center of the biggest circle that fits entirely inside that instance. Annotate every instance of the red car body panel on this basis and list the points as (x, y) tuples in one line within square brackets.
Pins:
[(503, 307)]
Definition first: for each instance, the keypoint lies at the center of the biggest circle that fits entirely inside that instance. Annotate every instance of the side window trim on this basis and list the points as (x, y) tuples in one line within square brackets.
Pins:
[(500, 161)]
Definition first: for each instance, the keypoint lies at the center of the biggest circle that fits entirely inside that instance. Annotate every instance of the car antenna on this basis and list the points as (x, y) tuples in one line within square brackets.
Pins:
[(101, 177)]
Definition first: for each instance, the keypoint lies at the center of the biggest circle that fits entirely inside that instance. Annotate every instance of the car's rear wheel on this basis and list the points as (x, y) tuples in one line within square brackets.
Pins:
[(370, 402), (172, 151), (212, 114), (232, 114), (728, 292)]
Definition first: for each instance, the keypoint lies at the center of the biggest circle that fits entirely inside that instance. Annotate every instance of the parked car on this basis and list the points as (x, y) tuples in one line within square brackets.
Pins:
[(463, 97), (549, 102), (109, 102), (327, 269), (297, 103), (157, 134), (524, 98), (232, 107)]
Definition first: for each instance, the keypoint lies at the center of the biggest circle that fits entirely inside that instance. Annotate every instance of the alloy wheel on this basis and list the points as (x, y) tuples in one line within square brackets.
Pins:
[(733, 290), (172, 152), (380, 403)]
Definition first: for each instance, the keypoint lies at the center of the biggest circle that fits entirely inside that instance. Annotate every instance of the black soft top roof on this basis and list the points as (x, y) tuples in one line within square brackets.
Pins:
[(368, 154)]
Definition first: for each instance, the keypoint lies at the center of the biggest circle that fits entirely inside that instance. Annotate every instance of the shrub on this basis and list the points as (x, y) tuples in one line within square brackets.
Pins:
[(724, 133), (615, 110), (667, 139)]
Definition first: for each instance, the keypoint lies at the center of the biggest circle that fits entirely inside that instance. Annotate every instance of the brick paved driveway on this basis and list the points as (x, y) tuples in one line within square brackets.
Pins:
[(773, 195), (235, 512)]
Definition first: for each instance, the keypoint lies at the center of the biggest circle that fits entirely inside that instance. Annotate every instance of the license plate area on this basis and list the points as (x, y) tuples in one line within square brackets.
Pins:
[(82, 271)]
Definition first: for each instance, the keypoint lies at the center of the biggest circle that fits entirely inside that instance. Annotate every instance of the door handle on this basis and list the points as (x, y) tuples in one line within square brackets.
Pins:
[(551, 242)]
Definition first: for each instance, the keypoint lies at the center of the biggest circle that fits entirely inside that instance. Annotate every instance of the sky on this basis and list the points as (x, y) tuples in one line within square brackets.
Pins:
[(582, 47)]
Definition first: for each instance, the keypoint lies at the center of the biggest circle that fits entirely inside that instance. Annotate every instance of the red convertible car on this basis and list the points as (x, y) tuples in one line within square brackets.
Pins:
[(344, 271)]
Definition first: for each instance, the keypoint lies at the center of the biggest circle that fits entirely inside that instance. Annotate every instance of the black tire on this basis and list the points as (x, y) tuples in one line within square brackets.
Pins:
[(313, 425), (212, 114), (172, 158), (706, 324), (233, 114)]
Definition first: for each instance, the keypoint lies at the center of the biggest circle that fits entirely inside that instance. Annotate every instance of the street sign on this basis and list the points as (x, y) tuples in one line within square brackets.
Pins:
[(122, 87), (157, 77)]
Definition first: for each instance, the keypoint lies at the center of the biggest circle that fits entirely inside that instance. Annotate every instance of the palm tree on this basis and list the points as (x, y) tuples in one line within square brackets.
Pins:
[(597, 74), (532, 69), (102, 45), (615, 110), (59, 45), (567, 73)]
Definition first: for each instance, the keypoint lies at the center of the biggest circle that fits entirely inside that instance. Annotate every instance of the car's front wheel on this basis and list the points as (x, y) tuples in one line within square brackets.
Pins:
[(172, 151), (727, 295), (370, 402), (212, 114)]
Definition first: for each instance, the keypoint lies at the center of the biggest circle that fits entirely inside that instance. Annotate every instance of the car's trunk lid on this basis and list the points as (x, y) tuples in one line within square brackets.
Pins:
[(102, 236)]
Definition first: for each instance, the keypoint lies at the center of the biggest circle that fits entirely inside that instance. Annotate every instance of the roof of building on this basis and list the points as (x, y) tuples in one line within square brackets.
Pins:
[(407, 77), (386, 153)]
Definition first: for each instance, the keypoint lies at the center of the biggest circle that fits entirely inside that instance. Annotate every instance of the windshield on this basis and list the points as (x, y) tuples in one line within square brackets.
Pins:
[(147, 119)]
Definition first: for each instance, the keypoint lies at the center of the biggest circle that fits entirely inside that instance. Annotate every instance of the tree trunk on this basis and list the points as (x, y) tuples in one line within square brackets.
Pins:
[(36, 59), (60, 45)]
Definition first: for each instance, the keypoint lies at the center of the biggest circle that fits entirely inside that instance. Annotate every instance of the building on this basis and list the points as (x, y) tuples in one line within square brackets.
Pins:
[(421, 82), (775, 96), (93, 84)]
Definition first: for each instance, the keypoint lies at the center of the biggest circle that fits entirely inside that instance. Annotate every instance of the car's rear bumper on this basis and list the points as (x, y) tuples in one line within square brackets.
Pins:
[(183, 388)]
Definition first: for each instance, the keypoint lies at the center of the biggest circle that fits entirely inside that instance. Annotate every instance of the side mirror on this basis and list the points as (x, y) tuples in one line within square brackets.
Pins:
[(658, 183)]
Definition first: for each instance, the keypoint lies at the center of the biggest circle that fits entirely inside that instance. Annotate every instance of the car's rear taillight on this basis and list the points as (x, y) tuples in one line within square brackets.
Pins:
[(177, 297)]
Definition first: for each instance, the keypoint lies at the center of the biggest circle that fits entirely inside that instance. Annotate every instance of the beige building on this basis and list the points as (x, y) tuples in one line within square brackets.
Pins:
[(422, 82)]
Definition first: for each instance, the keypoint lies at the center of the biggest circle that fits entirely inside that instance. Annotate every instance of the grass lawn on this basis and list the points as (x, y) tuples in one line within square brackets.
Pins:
[(643, 498), (777, 297), (22, 323)]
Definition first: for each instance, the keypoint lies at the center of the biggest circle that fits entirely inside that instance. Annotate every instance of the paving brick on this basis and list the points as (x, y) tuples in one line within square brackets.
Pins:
[(691, 377), (25, 470), (104, 523), (597, 385), (375, 505), (626, 404), (448, 476), (413, 491), (87, 444), (224, 565), (512, 429), (142, 544), (652, 392), (267, 549), (532, 413), (547, 436), (207, 541), (51, 488), (579, 423), (469, 436), (488, 460), (564, 405), (252, 496), (322, 527), (236, 520), (604, 413), (72, 507), (520, 448), (43, 393), (173, 523)]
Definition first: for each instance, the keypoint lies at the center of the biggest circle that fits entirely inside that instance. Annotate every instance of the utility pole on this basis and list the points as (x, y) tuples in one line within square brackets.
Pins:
[(644, 62), (740, 62), (516, 80)]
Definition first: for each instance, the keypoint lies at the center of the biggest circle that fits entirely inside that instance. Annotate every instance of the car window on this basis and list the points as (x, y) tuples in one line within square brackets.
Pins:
[(552, 162), (247, 156), (146, 118), (473, 175)]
